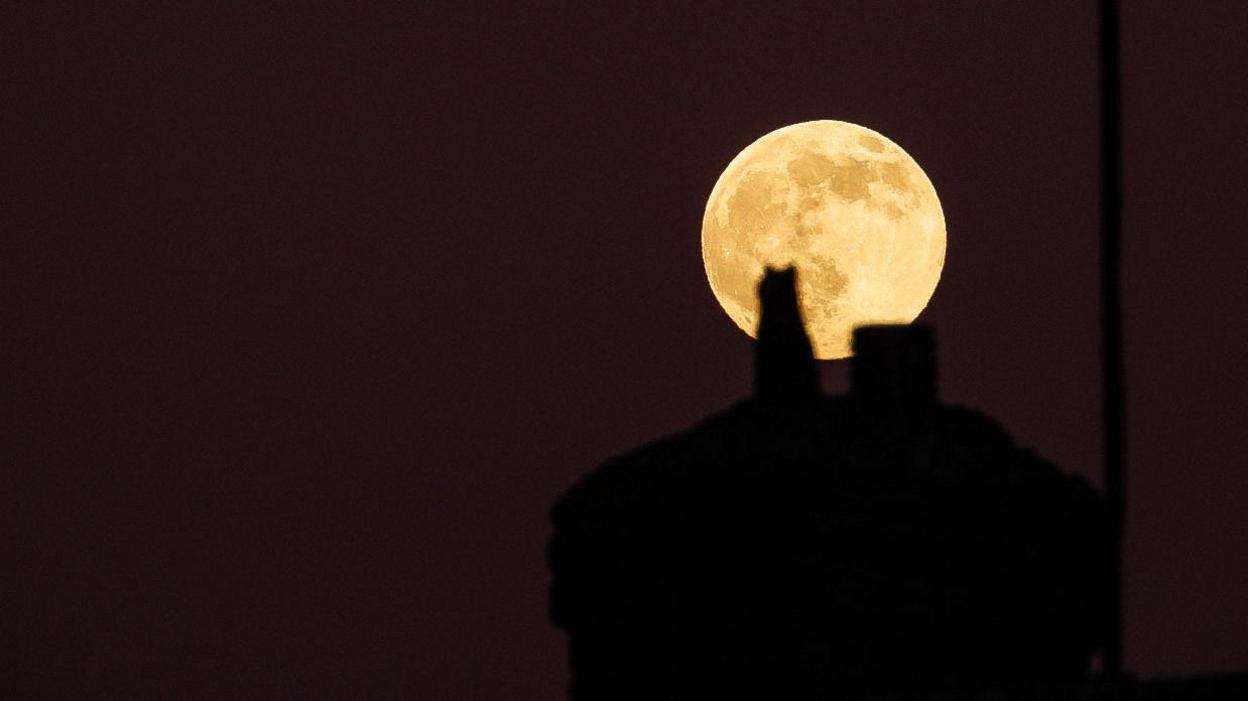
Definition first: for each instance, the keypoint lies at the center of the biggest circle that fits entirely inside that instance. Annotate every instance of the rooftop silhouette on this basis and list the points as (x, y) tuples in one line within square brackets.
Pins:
[(800, 546)]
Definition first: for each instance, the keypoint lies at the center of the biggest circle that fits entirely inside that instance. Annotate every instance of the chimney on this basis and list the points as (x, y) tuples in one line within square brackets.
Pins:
[(894, 364), (784, 363)]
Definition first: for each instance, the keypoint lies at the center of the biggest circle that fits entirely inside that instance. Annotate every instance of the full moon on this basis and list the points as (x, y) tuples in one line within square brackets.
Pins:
[(849, 208)]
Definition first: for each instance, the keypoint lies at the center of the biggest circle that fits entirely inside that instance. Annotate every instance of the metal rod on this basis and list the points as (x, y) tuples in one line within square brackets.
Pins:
[(1111, 320)]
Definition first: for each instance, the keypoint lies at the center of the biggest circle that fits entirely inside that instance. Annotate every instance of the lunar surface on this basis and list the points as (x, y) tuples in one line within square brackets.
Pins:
[(848, 207)]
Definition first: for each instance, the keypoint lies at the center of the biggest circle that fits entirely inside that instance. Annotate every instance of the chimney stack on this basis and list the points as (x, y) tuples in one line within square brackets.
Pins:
[(784, 363), (894, 364)]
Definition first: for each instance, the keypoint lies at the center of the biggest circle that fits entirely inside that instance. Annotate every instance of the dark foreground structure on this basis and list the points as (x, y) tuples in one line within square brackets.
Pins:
[(797, 546)]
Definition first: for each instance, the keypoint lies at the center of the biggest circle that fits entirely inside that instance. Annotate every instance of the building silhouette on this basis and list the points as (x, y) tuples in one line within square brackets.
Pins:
[(799, 546)]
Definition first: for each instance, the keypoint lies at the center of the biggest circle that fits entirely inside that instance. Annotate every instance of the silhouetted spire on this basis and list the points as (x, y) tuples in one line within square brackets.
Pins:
[(784, 364), (894, 364)]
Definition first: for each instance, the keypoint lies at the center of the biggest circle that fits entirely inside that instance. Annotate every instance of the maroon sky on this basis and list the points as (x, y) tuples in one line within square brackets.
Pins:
[(309, 315)]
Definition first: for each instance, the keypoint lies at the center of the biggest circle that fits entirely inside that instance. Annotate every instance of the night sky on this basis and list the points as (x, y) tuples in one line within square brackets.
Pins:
[(309, 314)]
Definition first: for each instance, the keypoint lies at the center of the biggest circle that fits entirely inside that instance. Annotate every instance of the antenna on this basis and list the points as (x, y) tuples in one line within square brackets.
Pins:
[(1111, 320)]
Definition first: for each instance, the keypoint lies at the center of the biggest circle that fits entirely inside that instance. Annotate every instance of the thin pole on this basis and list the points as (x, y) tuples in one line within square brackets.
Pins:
[(1111, 319)]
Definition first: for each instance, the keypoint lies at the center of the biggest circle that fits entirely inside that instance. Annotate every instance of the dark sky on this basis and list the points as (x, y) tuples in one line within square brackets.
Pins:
[(310, 314)]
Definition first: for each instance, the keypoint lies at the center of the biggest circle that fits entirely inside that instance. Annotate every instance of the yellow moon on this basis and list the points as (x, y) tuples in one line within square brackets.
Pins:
[(849, 208)]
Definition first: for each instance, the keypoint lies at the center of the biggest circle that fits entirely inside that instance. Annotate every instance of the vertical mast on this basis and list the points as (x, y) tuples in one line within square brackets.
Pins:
[(1111, 317)]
